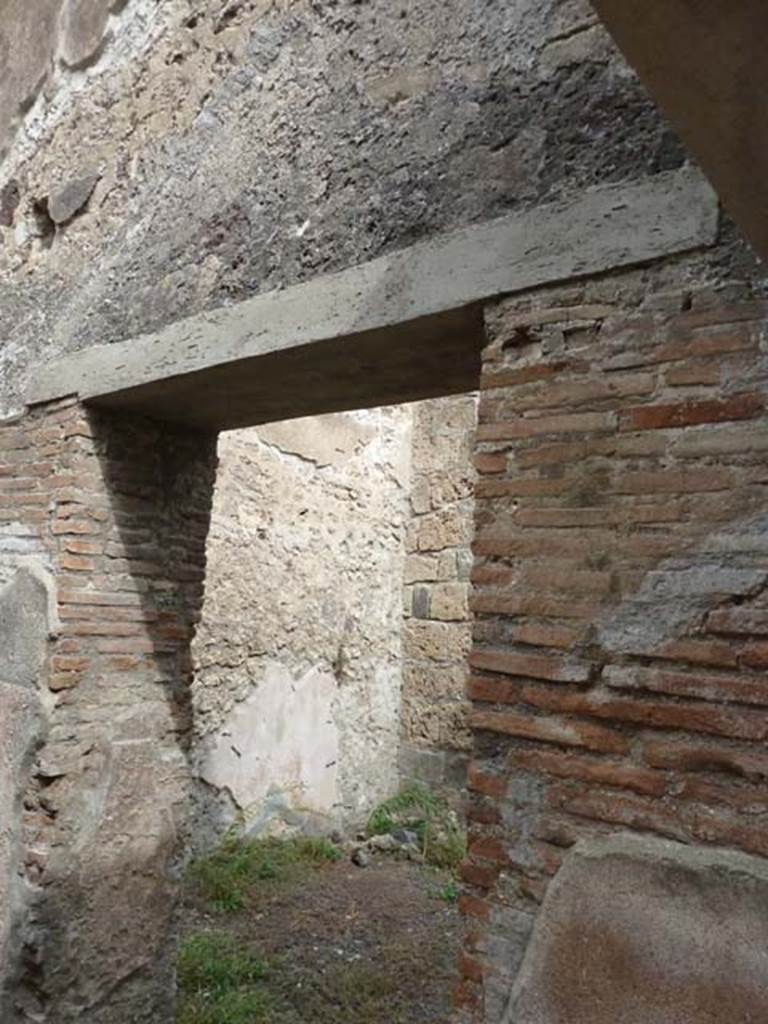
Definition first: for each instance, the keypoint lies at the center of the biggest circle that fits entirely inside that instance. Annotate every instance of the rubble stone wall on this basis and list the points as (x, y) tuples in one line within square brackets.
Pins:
[(166, 158), (298, 681), (437, 631), (314, 694)]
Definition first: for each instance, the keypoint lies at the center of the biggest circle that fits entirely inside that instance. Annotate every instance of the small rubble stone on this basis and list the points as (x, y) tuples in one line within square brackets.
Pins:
[(405, 837), (413, 852), (70, 200), (384, 844), (361, 857), (9, 200)]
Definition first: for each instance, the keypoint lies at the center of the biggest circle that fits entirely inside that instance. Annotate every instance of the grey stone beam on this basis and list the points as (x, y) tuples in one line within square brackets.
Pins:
[(403, 327)]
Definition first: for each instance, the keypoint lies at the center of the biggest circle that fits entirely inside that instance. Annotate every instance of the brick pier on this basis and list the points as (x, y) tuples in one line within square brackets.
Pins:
[(113, 514), (620, 593)]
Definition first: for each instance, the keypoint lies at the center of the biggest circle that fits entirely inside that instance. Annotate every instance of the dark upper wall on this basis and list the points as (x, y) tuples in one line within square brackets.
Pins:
[(206, 151)]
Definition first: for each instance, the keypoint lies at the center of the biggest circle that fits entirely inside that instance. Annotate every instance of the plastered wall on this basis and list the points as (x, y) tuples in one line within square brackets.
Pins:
[(323, 679), (297, 694)]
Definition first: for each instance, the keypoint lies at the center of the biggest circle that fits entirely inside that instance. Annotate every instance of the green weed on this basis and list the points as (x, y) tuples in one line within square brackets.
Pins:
[(450, 892), (441, 837), (228, 875), (220, 983)]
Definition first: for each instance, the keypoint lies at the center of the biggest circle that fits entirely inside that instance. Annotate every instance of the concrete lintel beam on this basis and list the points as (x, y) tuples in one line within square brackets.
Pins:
[(402, 327)]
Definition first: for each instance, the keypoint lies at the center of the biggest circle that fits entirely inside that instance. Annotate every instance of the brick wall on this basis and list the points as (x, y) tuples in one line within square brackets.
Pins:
[(117, 514), (620, 592), (619, 648)]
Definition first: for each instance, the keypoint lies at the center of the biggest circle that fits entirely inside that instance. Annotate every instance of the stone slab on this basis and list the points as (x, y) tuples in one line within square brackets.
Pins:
[(23, 629), (19, 712), (646, 931), (402, 327), (27, 41)]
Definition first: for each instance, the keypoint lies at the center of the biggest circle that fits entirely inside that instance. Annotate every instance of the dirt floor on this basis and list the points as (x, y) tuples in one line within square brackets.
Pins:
[(330, 943)]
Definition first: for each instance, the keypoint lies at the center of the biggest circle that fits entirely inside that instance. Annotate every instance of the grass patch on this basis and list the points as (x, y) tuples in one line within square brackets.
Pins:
[(441, 837), (240, 972), (364, 993), (220, 983), (226, 878), (450, 893)]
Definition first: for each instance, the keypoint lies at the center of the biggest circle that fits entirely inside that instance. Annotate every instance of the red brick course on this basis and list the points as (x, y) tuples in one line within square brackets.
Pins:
[(620, 594)]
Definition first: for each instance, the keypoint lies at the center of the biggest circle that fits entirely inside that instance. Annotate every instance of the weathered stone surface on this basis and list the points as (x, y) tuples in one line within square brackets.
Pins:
[(277, 753), (110, 900), (68, 201), (647, 931), (438, 641), (418, 299), (84, 24), (9, 200), (23, 629), (258, 150), (435, 707), (106, 797), (298, 651), (186, 113), (287, 661), (19, 713), (325, 441), (27, 43)]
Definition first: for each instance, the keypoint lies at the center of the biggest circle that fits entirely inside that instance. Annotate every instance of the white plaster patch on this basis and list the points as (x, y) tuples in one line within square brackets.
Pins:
[(282, 741)]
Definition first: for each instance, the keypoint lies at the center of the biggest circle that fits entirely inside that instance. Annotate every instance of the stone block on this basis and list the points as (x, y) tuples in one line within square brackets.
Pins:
[(438, 641), (85, 23), (18, 716), (68, 201), (420, 764), (450, 602), (433, 682), (421, 568), (23, 629), (27, 40), (646, 931), (421, 601)]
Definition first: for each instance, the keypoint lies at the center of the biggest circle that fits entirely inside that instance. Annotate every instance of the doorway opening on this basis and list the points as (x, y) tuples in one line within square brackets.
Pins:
[(330, 718)]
